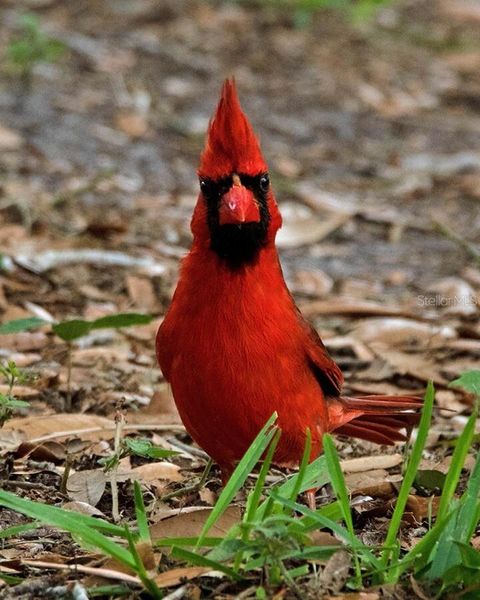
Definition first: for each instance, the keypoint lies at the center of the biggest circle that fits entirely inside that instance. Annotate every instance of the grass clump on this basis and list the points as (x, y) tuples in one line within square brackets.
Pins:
[(273, 546)]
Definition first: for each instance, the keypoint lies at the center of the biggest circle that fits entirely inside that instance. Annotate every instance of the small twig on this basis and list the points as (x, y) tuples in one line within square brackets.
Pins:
[(98, 571), (87, 430), (119, 423), (453, 236), (26, 485), (66, 472), (194, 487), (68, 403)]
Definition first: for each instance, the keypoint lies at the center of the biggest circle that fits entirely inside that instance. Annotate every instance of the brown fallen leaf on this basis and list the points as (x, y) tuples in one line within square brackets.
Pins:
[(335, 572), (400, 332), (83, 508), (368, 463), (141, 293), (132, 123), (176, 576), (421, 508), (350, 306), (87, 486), (38, 429), (372, 483), (190, 524), (9, 139), (51, 451), (301, 226), (41, 428), (154, 471), (415, 365)]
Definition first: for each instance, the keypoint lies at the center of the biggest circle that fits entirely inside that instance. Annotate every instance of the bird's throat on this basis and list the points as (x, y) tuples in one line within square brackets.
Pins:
[(238, 245)]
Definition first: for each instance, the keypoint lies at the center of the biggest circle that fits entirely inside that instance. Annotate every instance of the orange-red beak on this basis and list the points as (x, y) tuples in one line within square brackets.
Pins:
[(238, 206)]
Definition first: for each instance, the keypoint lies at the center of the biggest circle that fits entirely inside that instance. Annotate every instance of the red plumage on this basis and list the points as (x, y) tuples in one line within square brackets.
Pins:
[(233, 345)]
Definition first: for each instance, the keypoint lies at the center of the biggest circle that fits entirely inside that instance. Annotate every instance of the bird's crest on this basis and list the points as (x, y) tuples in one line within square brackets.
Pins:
[(231, 146)]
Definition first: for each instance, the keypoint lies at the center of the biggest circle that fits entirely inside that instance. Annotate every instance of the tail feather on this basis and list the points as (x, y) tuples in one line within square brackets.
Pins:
[(378, 419)]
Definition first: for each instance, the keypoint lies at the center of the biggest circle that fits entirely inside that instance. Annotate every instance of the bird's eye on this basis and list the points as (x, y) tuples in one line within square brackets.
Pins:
[(264, 182), (204, 185)]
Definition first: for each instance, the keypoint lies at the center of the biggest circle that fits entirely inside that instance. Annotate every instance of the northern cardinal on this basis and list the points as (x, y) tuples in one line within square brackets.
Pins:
[(233, 345)]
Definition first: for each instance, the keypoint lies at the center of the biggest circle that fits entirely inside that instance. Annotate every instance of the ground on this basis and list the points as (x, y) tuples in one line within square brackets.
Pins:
[(371, 130)]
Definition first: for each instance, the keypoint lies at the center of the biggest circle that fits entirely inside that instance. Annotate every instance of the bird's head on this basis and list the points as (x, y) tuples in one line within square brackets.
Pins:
[(236, 212)]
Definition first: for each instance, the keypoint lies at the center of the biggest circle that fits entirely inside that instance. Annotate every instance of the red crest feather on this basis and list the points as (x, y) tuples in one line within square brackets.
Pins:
[(231, 146)]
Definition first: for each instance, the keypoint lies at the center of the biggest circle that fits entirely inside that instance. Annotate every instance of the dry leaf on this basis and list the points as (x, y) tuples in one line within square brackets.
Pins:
[(84, 508), (9, 139), (141, 292), (154, 471), (190, 524), (421, 507), (37, 428), (87, 486), (335, 573), (372, 483), (176, 576), (133, 124), (301, 226), (368, 463), (349, 306), (402, 332), (415, 365)]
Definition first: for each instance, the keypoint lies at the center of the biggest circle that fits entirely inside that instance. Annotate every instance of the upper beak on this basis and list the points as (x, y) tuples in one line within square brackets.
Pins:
[(238, 206)]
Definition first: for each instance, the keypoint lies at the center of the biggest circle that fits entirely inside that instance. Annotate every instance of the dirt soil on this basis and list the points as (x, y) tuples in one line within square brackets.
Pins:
[(372, 134)]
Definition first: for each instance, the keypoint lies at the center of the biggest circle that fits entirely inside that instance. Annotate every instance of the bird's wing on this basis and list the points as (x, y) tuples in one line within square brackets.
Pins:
[(326, 371)]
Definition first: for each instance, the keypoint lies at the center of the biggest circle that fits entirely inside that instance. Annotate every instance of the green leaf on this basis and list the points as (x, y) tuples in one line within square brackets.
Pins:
[(144, 447), (430, 479), (72, 330), (19, 325), (77, 328), (468, 381), (121, 320)]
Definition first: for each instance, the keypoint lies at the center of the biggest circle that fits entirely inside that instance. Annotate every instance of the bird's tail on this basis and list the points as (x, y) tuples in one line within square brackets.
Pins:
[(379, 419)]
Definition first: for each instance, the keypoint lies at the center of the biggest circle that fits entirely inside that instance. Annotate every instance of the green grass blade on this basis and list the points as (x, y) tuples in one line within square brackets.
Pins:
[(243, 469), (458, 460), (340, 489), (409, 477), (338, 530), (148, 583), (17, 529), (142, 522), (463, 526), (423, 549), (202, 561), (300, 477), (315, 476), (68, 521), (254, 496), (12, 501)]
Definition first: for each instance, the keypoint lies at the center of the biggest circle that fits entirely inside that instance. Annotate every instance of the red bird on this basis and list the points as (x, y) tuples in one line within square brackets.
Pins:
[(233, 345)]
